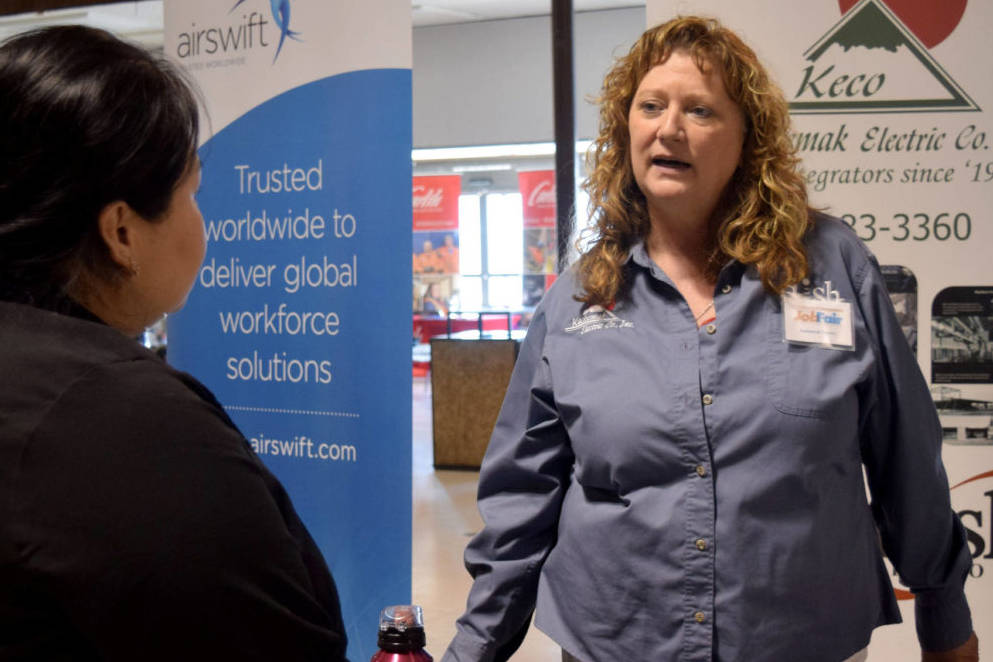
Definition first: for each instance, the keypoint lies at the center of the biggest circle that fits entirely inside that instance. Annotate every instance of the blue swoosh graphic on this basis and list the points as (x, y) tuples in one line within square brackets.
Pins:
[(281, 14)]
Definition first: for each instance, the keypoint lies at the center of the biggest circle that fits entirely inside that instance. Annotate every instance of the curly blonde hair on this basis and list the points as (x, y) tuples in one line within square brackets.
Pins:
[(767, 214)]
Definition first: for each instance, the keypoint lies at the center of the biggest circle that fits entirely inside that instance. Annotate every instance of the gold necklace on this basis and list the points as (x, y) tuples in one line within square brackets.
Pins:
[(704, 311)]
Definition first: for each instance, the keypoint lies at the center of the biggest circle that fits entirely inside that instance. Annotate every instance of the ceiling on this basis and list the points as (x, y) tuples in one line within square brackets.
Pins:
[(436, 12), (141, 20)]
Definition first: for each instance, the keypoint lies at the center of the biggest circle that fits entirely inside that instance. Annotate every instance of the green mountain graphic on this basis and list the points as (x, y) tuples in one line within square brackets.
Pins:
[(871, 25), (867, 27)]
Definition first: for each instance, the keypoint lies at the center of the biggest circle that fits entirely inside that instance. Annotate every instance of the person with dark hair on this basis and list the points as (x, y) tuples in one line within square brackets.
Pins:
[(677, 469), (136, 523)]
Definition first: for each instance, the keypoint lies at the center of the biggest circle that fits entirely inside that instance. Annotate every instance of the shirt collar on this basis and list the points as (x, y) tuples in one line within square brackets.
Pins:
[(731, 272), (639, 255), (75, 309)]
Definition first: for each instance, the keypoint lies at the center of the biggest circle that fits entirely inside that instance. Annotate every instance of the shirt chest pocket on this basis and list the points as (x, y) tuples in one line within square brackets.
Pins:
[(807, 380)]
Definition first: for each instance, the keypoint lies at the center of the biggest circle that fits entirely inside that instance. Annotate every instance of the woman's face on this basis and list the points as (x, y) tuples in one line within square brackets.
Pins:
[(686, 136), (171, 250)]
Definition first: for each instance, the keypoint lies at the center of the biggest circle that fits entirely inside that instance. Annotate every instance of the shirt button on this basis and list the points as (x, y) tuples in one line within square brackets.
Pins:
[(700, 617), (701, 544), (726, 289), (708, 399), (711, 329), (701, 470)]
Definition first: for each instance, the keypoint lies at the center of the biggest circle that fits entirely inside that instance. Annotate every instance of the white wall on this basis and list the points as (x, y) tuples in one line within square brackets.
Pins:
[(491, 82)]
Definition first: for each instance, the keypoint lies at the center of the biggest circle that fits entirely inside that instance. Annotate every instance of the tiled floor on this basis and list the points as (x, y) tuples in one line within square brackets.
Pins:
[(445, 517)]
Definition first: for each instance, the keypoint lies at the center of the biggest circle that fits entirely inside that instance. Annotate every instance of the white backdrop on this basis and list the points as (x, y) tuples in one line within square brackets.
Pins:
[(891, 101)]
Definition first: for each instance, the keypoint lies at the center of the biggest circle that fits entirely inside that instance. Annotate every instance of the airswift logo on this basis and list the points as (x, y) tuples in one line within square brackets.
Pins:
[(281, 15), (873, 62)]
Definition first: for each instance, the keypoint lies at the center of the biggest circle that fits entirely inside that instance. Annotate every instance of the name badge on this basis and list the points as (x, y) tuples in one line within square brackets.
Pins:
[(820, 322)]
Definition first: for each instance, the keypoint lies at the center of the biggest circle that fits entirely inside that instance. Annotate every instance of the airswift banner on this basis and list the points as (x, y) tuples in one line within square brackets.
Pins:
[(891, 116), (300, 317)]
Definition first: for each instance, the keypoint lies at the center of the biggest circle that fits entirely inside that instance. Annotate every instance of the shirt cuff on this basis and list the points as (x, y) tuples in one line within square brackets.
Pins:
[(943, 619), (465, 648)]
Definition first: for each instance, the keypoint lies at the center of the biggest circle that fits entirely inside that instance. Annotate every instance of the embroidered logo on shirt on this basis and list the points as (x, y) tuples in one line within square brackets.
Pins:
[(597, 318)]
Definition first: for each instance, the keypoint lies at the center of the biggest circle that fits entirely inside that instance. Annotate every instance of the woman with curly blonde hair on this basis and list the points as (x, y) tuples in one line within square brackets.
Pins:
[(764, 214), (677, 469)]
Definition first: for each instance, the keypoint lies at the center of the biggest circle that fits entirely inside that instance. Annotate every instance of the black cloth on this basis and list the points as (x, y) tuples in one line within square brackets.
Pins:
[(136, 523)]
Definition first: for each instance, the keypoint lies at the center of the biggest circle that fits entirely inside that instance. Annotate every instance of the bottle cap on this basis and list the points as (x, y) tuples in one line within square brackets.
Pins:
[(401, 628)]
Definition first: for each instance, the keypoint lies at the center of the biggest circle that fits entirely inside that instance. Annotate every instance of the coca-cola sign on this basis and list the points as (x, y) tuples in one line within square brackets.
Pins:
[(538, 193), (543, 195), (436, 202), (428, 199)]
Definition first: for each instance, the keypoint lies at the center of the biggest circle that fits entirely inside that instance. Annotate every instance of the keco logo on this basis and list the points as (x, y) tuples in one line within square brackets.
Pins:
[(250, 31), (976, 494), (876, 60)]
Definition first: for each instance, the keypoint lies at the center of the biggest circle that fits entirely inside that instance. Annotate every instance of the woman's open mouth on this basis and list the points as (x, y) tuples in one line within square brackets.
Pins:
[(670, 163)]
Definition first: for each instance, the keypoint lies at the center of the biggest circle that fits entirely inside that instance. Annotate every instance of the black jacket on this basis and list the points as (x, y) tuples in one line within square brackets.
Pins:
[(136, 523)]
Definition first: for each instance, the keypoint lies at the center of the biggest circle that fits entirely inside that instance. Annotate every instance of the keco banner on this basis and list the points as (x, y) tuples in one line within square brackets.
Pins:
[(300, 318), (891, 115), (537, 189)]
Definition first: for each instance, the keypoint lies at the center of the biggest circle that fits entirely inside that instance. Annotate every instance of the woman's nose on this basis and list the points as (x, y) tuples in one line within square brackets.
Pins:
[(670, 125)]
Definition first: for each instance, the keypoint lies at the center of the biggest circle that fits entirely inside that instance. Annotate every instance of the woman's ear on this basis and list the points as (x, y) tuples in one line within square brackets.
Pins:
[(116, 222)]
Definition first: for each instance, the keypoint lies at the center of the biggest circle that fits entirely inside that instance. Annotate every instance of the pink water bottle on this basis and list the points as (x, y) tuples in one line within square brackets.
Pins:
[(401, 635)]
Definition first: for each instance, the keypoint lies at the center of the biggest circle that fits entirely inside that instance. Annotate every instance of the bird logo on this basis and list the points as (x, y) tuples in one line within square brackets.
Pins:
[(280, 14)]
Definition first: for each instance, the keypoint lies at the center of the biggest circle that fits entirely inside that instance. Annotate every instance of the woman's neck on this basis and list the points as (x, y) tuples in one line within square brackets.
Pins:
[(682, 248), (110, 304)]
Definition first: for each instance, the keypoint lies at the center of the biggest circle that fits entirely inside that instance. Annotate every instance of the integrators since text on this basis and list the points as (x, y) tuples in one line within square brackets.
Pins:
[(819, 180)]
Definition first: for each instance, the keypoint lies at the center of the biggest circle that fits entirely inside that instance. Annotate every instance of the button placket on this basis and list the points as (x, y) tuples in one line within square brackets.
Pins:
[(697, 554)]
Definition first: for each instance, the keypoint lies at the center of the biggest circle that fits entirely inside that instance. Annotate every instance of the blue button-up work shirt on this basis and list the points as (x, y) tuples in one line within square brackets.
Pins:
[(660, 491)]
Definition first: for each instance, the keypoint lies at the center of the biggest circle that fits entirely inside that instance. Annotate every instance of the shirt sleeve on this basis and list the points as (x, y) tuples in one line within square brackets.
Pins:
[(148, 522), (522, 481), (901, 449)]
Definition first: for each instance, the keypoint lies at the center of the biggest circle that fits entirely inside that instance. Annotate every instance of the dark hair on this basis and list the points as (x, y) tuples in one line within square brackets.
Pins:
[(85, 120)]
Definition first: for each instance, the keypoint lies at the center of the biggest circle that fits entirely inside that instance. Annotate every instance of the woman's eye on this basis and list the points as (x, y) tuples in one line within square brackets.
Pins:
[(651, 106), (701, 111)]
